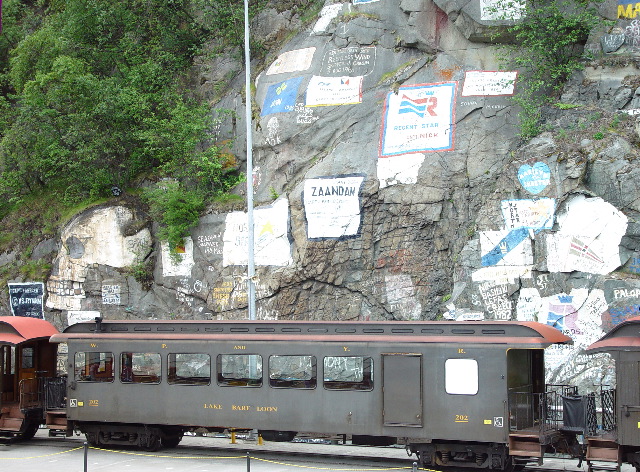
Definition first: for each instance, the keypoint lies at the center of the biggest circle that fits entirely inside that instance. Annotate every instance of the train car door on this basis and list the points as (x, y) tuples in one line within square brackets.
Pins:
[(7, 373), (402, 389), (628, 373)]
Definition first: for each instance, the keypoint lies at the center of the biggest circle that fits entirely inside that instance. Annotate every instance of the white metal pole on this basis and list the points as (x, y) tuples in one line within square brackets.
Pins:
[(251, 292)]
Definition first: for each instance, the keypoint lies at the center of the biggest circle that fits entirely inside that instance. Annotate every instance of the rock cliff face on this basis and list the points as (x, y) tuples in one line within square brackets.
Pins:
[(391, 184)]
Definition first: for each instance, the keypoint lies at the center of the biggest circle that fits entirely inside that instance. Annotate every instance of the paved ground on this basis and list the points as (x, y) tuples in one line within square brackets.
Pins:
[(206, 454)]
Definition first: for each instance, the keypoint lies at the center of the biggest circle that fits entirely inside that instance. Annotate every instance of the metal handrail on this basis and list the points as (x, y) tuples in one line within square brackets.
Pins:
[(28, 391)]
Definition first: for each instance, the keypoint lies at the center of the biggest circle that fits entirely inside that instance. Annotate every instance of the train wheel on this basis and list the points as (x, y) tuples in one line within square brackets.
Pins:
[(150, 442), (172, 439), (30, 431), (92, 439)]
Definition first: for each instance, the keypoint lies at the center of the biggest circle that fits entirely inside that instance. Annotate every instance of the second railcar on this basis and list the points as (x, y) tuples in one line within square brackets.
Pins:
[(467, 394)]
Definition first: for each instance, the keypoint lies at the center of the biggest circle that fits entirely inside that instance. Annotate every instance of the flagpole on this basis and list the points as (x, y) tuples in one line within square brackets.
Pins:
[(251, 293)]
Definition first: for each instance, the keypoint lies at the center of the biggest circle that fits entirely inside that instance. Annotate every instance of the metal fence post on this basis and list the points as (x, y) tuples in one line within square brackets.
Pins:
[(415, 467), (248, 462), (86, 455)]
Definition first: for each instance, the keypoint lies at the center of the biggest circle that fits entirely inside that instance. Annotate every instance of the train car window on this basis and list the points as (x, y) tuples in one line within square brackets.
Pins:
[(140, 367), (292, 371), (239, 370), (27, 358), (189, 369), (348, 373), (93, 367), (461, 376)]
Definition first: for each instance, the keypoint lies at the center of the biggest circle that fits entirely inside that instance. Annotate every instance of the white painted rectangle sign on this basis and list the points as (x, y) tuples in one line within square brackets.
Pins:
[(332, 206), (487, 83), (528, 213), (418, 118), (502, 10), (292, 61), (271, 236), (325, 91)]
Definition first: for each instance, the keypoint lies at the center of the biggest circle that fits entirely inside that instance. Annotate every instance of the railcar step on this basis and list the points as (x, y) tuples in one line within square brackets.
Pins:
[(525, 445), (10, 424)]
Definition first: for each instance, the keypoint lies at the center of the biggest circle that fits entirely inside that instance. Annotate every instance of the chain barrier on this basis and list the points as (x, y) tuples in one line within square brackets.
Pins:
[(163, 456), (330, 468), (38, 457), (247, 457)]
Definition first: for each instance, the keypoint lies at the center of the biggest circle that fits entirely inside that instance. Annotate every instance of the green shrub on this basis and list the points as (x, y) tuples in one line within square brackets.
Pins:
[(176, 209), (547, 48)]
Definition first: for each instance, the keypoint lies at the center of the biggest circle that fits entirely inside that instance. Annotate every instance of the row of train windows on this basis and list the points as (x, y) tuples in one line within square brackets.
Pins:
[(244, 370)]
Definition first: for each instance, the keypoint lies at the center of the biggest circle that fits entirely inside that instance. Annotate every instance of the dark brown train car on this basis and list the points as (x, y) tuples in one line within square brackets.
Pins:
[(456, 393), (27, 363), (618, 440)]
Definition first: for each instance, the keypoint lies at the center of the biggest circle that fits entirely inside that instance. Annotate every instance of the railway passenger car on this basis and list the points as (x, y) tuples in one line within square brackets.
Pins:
[(618, 440), (455, 393), (30, 392)]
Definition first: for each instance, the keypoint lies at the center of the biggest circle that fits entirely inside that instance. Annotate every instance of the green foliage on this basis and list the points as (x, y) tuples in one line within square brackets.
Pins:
[(566, 106), (91, 96), (547, 49), (176, 208), (598, 135), (142, 271), (226, 18)]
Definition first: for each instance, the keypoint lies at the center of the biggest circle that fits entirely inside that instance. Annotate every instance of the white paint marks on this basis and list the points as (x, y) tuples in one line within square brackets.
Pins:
[(271, 240), (394, 170), (588, 239), (181, 265), (332, 206)]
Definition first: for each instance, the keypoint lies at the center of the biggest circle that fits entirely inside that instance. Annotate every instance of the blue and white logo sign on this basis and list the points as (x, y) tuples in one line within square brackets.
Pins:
[(418, 118), (281, 97), (534, 178)]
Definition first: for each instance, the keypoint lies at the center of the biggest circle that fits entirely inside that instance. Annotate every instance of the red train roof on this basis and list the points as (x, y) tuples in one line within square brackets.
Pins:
[(19, 329), (623, 337), (511, 333)]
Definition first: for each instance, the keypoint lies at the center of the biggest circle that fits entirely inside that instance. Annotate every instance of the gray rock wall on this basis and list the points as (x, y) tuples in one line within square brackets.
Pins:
[(391, 184)]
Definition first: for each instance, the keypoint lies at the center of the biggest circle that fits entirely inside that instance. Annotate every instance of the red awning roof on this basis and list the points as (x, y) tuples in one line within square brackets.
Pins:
[(626, 343), (18, 329), (623, 337)]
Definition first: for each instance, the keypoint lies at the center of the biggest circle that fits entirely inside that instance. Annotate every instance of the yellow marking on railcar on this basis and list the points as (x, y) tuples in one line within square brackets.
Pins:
[(267, 408)]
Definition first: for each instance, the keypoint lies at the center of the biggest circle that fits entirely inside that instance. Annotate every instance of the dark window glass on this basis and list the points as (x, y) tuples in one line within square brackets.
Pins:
[(27, 358), (189, 369), (140, 367), (93, 367), (292, 371), (348, 373), (239, 370)]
